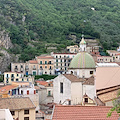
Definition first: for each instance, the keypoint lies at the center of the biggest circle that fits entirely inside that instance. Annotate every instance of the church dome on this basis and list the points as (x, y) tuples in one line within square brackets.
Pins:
[(82, 60)]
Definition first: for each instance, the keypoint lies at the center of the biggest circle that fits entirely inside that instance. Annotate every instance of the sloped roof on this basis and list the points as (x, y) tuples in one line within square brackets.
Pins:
[(45, 57), (107, 77), (83, 113), (16, 103), (86, 81), (33, 61), (42, 82), (6, 88), (73, 78)]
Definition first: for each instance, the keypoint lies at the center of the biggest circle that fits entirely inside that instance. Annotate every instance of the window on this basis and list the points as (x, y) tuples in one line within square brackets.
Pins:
[(56, 64), (56, 57), (12, 79), (91, 72), (34, 72), (12, 112), (7, 75), (21, 66), (22, 79), (86, 100), (17, 75), (16, 79), (56, 60), (27, 92), (49, 93), (27, 79), (40, 62), (50, 67), (26, 118), (12, 75), (45, 66), (7, 80), (36, 91), (60, 56), (61, 87), (61, 60), (45, 62), (26, 111), (49, 62)]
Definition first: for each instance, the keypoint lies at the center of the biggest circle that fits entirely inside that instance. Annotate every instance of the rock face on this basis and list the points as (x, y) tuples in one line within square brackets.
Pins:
[(5, 57), (5, 41)]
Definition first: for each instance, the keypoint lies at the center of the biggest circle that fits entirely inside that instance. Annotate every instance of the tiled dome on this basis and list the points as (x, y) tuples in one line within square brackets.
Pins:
[(82, 60)]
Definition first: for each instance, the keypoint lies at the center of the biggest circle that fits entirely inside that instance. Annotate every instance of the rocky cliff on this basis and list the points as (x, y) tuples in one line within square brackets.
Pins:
[(5, 57)]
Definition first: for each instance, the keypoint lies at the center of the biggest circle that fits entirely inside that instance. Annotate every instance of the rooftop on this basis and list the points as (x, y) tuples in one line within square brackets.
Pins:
[(45, 57), (107, 65), (16, 103), (86, 81), (107, 77), (33, 61), (83, 113), (7, 88)]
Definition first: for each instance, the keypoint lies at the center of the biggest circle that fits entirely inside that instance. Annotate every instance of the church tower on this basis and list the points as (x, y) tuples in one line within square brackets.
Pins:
[(82, 45)]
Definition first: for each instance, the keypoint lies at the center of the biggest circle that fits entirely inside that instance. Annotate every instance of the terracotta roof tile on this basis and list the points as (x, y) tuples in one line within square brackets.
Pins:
[(7, 88), (16, 103), (83, 113), (33, 62), (45, 57), (86, 81), (42, 82)]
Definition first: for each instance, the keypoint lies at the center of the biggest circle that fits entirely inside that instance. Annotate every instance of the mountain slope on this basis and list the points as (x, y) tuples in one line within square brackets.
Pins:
[(42, 22)]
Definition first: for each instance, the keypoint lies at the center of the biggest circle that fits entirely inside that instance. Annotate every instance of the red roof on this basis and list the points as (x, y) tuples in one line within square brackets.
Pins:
[(42, 82), (83, 113), (33, 62), (7, 88)]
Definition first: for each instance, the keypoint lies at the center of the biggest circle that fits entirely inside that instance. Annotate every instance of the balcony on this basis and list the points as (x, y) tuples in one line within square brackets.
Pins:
[(16, 69), (26, 68), (34, 68)]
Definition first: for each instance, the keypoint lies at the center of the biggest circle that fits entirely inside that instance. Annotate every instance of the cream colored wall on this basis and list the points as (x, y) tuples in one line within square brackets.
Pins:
[(20, 114), (19, 77), (18, 66), (76, 93), (82, 72)]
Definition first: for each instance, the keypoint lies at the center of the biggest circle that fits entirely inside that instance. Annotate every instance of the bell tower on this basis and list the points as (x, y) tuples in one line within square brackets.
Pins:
[(82, 45)]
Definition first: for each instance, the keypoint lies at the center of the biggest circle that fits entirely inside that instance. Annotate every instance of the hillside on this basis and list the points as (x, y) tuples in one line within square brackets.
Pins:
[(34, 24)]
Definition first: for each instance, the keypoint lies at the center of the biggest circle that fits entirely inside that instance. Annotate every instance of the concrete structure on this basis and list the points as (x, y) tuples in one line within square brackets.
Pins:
[(62, 61), (112, 52), (21, 108), (103, 59), (73, 49), (46, 65), (40, 65), (5, 114), (68, 89), (83, 64), (10, 77)]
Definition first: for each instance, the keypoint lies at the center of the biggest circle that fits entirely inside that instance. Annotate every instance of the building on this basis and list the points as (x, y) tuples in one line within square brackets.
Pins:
[(112, 52), (103, 59), (63, 112), (10, 77), (20, 108), (107, 83), (62, 62), (5, 114), (46, 65), (40, 65), (73, 49), (83, 64), (69, 89)]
